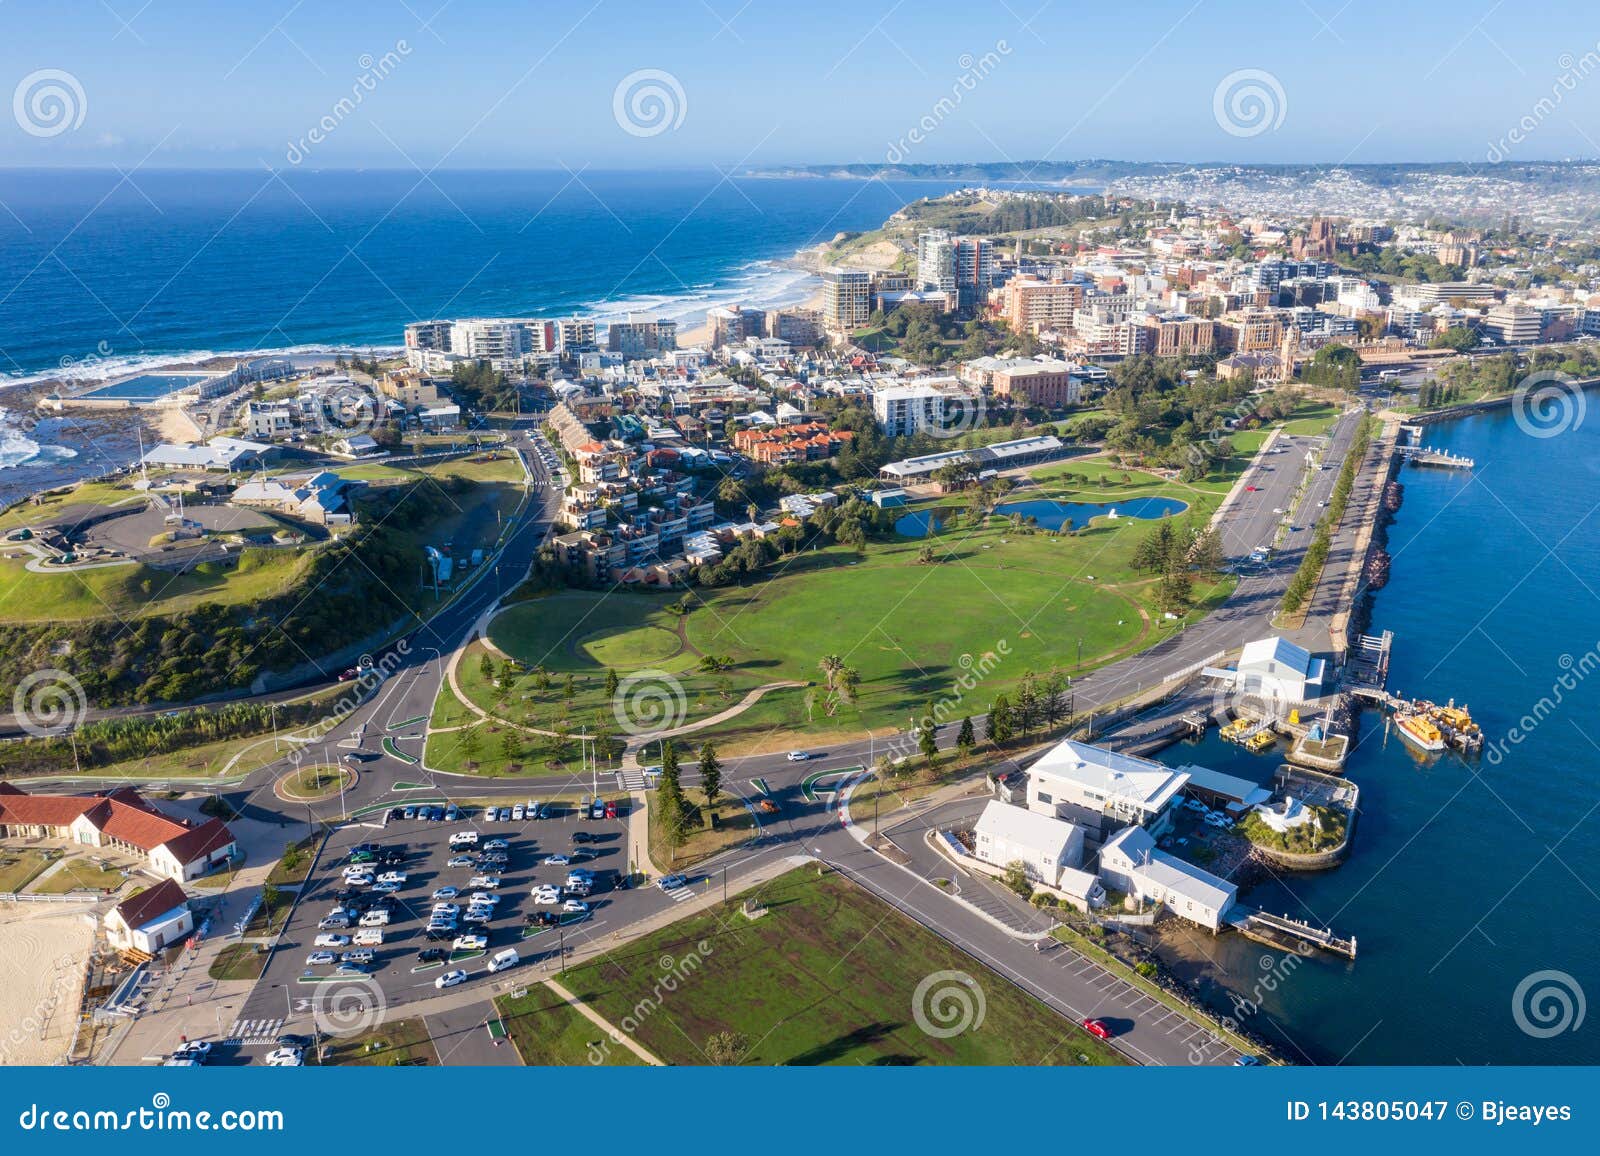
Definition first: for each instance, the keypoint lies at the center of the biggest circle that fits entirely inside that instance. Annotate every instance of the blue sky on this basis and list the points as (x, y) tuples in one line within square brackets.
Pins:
[(472, 84)]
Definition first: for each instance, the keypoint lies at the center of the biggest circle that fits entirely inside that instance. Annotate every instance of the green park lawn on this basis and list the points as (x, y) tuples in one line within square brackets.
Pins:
[(18, 866), (79, 873), (828, 976), (548, 1031), (1005, 600)]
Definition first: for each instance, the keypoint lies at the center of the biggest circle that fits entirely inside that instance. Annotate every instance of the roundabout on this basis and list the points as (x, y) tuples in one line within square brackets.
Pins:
[(315, 783)]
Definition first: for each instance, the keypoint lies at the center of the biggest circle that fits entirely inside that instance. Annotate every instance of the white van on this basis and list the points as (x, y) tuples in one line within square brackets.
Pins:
[(463, 839), (504, 960), (369, 937), (375, 918)]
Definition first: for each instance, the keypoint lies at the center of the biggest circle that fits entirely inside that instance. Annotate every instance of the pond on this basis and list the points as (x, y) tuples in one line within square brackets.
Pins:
[(920, 524), (1052, 515)]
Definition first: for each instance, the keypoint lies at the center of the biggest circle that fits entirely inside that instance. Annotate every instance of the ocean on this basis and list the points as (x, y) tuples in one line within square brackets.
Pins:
[(102, 274), (1473, 884)]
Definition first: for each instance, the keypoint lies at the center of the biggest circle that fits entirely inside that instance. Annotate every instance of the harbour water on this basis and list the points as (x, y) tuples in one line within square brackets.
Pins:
[(1467, 876)]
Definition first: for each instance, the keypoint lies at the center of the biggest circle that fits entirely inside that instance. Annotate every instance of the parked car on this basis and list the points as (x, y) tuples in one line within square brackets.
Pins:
[(446, 893), (461, 861), (331, 939), (1247, 1061), (450, 979), (546, 895), (470, 943), (359, 955), (556, 860), (285, 1058), (545, 918), (293, 1042), (575, 907), (1097, 1028), (484, 881), (516, 813), (584, 837), (496, 845), (319, 958), (432, 955)]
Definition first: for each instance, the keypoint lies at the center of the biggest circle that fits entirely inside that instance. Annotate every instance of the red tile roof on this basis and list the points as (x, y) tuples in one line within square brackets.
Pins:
[(137, 910), (123, 814)]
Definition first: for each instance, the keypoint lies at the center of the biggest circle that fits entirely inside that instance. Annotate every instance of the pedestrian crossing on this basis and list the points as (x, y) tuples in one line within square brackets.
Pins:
[(245, 1032), (680, 894), (630, 780)]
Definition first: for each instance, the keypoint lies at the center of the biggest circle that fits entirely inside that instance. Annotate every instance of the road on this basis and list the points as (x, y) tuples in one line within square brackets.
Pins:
[(1147, 1031)]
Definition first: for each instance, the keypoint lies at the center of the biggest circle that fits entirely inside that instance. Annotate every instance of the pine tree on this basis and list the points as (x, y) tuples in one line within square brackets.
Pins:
[(611, 683), (965, 739), (1000, 723), (486, 667), (926, 742), (710, 773)]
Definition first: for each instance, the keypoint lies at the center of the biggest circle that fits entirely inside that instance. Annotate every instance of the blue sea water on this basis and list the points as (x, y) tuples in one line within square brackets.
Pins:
[(100, 272), (1468, 877), (103, 274)]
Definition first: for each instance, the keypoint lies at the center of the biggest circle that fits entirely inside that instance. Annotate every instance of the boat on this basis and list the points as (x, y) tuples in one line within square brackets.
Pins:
[(1455, 718), (1260, 741), (1420, 732)]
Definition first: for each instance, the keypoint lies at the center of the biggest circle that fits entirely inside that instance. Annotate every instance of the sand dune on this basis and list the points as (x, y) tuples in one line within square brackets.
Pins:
[(43, 948)]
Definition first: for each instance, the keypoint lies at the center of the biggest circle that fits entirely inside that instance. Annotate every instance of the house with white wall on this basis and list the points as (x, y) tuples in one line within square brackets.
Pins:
[(1105, 789), (1131, 862), (155, 918)]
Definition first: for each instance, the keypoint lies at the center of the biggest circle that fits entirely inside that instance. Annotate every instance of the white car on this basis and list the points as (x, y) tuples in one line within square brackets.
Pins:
[(517, 813), (461, 861), (484, 881), (546, 896), (445, 893), (392, 877), (450, 979), (285, 1058), (331, 940), (576, 907), (1197, 805), (470, 943), (1219, 821), (318, 958), (797, 756), (556, 860), (496, 845), (483, 899)]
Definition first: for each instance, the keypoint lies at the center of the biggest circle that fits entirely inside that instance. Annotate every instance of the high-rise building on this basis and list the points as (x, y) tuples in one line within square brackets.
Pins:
[(428, 335), (936, 262), (1030, 305), (642, 338), (846, 298)]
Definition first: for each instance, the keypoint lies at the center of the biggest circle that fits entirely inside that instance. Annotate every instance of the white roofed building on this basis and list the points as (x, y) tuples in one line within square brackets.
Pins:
[(1277, 671), (1043, 844), (1104, 789), (1130, 862)]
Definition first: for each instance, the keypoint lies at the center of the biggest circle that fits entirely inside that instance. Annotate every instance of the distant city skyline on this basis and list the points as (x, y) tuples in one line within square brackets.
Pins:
[(620, 84)]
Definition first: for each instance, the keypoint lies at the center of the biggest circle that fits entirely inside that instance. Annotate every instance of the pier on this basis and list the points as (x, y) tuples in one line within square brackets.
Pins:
[(1420, 455), (1289, 934)]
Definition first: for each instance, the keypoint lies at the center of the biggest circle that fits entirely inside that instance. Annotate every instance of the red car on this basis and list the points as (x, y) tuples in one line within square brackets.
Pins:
[(1252, 489), (611, 809), (1097, 1029)]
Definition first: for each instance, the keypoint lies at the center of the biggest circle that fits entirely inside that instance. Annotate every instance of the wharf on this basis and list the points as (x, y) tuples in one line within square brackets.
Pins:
[(1280, 931)]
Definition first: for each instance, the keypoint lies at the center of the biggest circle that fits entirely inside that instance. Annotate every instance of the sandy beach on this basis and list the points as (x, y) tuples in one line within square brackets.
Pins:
[(43, 948), (173, 423)]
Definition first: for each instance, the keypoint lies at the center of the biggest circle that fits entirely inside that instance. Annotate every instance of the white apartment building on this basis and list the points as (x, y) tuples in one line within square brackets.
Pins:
[(1075, 780), (925, 407)]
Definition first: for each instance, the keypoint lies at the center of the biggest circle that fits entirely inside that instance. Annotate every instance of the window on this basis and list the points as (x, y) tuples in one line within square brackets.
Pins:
[(1044, 798)]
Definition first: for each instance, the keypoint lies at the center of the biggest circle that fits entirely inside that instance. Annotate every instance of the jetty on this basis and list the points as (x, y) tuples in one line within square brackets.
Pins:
[(1288, 934), (1418, 454)]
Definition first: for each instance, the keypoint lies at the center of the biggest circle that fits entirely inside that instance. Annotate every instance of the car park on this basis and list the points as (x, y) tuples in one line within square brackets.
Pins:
[(331, 939), (450, 979), (319, 958)]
